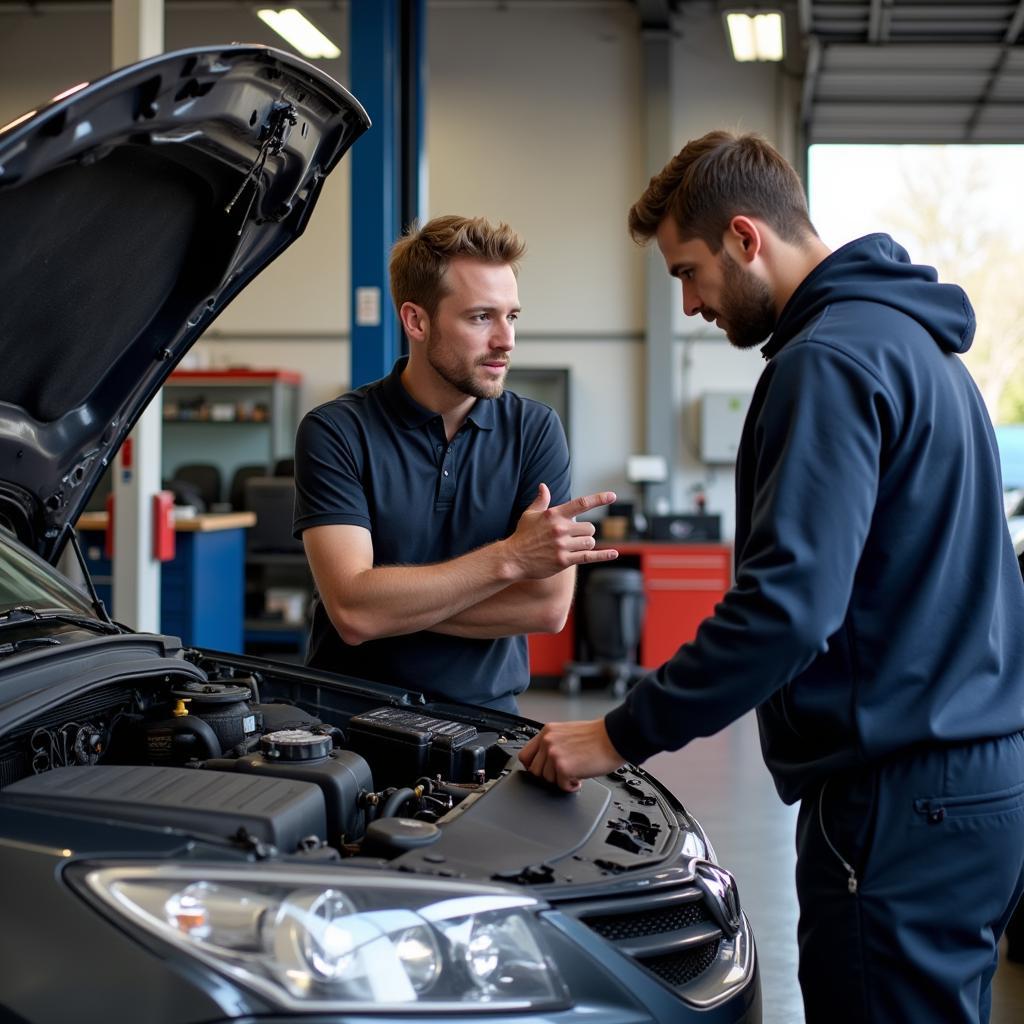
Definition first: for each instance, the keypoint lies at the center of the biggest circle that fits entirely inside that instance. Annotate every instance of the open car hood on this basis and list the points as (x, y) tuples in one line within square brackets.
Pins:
[(134, 209)]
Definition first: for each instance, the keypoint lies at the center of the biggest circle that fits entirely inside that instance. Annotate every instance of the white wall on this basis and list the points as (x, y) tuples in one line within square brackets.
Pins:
[(535, 116), (533, 119)]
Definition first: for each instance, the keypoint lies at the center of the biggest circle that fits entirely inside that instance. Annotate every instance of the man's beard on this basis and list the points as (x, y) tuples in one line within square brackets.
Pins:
[(747, 306), (446, 363)]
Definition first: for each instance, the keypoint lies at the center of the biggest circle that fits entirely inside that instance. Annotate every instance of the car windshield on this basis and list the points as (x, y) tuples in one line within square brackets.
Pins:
[(27, 581)]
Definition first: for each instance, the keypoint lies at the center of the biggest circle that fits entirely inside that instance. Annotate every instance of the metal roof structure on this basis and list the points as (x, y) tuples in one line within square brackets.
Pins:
[(913, 70), (927, 71)]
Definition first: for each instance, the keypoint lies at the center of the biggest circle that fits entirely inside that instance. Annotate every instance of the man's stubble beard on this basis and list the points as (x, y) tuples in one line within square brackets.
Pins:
[(747, 305), (449, 368)]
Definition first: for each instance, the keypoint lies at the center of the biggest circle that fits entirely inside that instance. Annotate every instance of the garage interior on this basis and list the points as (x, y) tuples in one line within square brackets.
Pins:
[(550, 114)]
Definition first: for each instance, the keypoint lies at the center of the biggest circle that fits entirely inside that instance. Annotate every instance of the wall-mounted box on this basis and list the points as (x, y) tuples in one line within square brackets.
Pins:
[(721, 423)]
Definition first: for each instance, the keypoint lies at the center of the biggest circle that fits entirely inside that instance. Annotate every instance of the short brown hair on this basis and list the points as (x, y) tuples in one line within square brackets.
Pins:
[(717, 177), (421, 256)]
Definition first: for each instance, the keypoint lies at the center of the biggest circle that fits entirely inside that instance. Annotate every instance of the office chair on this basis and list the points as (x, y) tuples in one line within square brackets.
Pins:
[(272, 498), (241, 476), (612, 612), (205, 477)]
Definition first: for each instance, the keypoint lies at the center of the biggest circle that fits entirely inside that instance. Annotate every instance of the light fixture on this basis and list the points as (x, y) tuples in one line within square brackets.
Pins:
[(755, 36), (297, 29)]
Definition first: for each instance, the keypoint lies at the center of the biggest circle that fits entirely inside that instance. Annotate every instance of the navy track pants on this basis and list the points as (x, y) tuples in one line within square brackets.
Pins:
[(907, 873)]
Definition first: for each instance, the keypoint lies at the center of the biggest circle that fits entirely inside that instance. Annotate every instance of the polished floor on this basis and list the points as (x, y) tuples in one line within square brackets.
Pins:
[(723, 781)]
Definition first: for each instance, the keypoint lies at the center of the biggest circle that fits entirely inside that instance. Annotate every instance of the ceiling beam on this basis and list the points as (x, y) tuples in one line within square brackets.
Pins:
[(1012, 32), (805, 16), (654, 14), (1015, 26), (875, 22), (811, 71)]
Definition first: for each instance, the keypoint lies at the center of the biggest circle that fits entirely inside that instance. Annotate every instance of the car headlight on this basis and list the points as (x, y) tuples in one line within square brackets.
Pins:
[(345, 940)]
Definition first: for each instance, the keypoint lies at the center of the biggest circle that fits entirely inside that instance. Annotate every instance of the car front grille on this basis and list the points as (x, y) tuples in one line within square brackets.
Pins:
[(617, 927), (679, 969), (671, 933)]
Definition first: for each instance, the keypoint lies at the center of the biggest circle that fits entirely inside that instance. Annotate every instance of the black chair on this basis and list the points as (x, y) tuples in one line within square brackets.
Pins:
[(205, 477), (241, 476), (185, 494), (272, 498), (285, 467), (611, 608)]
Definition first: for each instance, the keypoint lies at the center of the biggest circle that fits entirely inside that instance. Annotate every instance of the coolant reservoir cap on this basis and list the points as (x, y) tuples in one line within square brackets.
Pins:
[(392, 836), (295, 745)]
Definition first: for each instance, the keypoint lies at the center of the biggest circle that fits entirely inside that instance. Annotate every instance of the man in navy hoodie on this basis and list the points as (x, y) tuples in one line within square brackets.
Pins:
[(876, 621)]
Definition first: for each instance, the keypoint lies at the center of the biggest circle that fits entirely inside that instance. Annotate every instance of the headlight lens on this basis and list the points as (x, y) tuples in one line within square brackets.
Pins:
[(346, 941)]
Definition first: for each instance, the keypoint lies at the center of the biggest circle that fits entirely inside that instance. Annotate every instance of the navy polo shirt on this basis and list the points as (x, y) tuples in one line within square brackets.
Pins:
[(376, 458)]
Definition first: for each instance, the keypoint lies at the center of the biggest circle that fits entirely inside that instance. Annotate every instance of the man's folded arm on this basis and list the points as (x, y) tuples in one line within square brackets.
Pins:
[(367, 602), (532, 606)]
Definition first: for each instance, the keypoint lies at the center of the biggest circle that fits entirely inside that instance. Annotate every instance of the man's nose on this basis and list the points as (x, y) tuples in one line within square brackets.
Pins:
[(692, 304), (504, 335)]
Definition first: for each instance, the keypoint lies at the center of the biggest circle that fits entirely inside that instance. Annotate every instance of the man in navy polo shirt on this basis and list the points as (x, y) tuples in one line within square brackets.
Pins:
[(433, 504)]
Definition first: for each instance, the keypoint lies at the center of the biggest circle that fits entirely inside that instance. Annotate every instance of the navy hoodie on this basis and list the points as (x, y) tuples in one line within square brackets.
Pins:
[(877, 602)]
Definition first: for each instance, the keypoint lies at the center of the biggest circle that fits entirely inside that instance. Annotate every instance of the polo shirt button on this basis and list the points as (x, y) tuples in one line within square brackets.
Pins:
[(446, 472)]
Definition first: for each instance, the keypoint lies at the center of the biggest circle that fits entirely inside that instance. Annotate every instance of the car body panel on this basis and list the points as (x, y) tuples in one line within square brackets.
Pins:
[(139, 205)]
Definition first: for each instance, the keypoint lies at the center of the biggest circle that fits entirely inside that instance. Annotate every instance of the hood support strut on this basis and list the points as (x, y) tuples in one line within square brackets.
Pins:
[(94, 597)]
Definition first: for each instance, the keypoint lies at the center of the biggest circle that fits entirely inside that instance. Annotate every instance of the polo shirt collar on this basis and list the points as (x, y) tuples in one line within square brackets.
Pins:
[(482, 414), (411, 414)]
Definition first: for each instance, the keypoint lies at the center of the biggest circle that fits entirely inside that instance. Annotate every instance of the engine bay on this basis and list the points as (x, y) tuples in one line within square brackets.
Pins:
[(276, 761)]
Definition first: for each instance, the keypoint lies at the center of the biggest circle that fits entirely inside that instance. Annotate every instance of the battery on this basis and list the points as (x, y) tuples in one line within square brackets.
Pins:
[(404, 745)]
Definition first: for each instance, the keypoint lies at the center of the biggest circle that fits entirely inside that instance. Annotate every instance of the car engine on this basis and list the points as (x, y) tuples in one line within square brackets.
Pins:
[(204, 756)]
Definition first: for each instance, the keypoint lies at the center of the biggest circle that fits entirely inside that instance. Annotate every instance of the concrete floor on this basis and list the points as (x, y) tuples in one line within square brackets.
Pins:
[(723, 782)]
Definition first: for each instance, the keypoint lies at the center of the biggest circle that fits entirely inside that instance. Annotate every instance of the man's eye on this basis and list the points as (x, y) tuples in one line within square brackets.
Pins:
[(481, 317), (513, 317), (686, 275)]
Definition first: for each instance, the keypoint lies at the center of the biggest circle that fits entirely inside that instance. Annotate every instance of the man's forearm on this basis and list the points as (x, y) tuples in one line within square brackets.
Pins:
[(532, 606), (366, 602), (395, 600)]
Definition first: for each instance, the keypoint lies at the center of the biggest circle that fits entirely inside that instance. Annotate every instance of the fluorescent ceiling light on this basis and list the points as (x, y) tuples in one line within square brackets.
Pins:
[(755, 36), (295, 28)]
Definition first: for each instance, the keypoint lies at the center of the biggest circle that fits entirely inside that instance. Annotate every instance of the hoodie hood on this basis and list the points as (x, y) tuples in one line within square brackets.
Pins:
[(877, 269)]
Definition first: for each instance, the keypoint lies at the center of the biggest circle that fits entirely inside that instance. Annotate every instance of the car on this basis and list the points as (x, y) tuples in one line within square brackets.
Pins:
[(196, 836)]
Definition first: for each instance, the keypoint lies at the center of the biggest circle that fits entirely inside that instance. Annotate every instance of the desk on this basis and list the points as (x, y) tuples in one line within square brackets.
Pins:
[(682, 584), (202, 589)]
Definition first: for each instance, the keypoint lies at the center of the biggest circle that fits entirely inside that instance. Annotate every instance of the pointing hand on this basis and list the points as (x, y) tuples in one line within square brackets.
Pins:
[(549, 539)]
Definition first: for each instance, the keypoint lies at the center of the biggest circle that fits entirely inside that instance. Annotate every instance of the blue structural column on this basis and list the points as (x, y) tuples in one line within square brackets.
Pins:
[(387, 70)]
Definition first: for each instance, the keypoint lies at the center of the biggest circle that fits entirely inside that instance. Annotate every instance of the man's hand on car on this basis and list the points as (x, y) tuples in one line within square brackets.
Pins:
[(548, 540), (565, 752)]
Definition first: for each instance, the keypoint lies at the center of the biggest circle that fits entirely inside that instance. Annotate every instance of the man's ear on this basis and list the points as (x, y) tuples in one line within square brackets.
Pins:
[(415, 321), (744, 239)]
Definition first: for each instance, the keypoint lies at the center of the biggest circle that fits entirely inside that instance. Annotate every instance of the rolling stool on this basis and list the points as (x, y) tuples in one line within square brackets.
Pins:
[(613, 615)]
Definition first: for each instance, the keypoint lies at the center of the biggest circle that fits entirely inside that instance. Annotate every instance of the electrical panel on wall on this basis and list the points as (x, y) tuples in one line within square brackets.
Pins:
[(721, 422)]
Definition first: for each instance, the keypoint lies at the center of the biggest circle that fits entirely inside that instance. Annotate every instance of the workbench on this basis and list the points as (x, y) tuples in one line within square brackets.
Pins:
[(202, 588)]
